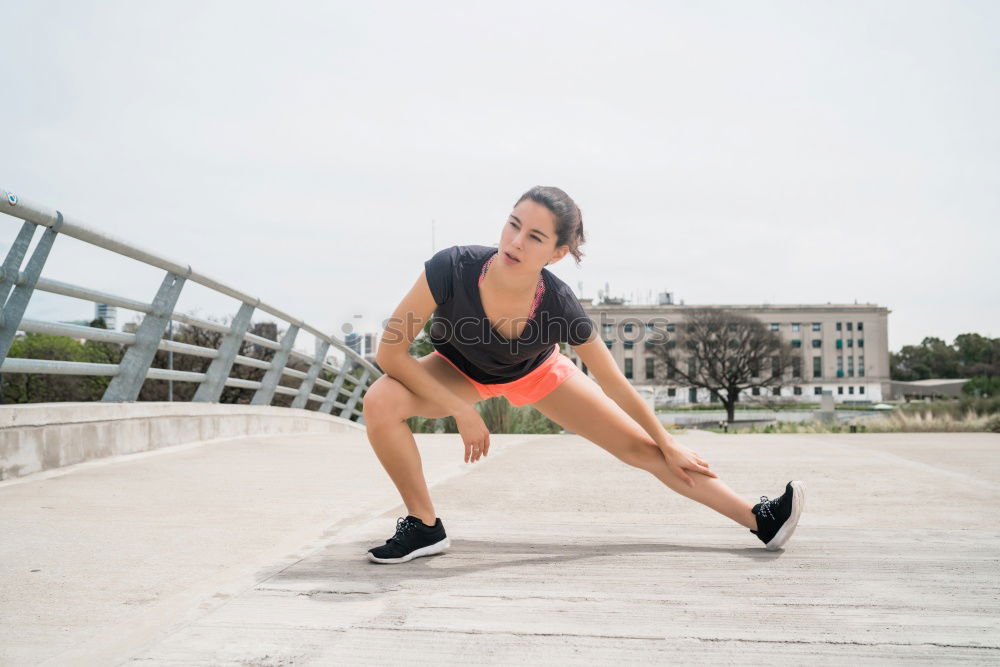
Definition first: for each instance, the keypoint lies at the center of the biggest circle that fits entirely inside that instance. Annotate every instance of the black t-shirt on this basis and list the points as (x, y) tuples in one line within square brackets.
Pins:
[(461, 330)]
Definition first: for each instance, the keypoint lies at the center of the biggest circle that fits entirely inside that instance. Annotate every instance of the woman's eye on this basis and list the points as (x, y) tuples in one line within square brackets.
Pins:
[(514, 225)]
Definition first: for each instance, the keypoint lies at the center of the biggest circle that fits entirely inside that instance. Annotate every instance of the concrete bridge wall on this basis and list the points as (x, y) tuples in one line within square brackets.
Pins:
[(42, 436)]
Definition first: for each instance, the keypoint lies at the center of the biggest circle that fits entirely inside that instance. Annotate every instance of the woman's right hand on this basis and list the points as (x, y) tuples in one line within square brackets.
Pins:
[(475, 435)]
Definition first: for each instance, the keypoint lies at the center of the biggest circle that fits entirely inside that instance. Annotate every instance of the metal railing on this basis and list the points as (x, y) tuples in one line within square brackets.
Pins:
[(127, 377)]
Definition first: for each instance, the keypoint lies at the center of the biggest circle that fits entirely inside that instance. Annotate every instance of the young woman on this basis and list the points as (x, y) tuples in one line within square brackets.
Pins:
[(499, 319)]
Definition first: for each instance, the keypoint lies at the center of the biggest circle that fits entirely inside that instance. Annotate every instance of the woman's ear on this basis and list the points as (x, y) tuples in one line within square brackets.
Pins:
[(558, 254)]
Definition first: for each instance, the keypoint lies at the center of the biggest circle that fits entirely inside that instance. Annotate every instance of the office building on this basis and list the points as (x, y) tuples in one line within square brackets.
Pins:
[(844, 348)]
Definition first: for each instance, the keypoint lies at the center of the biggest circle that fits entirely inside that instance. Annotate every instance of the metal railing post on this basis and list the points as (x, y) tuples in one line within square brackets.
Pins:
[(309, 380), (355, 395), (12, 262), (331, 395), (14, 306), (139, 357), (210, 390), (264, 395)]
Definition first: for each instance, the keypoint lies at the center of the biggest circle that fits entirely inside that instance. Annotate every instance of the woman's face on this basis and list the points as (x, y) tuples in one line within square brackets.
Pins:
[(529, 236)]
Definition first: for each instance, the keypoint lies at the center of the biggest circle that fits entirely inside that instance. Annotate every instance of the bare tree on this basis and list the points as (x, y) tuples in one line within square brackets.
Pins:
[(726, 353)]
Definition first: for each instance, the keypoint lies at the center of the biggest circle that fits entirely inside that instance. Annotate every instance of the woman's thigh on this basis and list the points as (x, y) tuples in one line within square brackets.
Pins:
[(390, 398), (579, 405)]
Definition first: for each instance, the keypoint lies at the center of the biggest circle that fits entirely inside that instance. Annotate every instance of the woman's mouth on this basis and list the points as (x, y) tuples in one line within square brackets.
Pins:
[(512, 260)]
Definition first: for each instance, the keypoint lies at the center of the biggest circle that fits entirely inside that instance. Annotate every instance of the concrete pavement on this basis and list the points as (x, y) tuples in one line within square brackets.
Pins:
[(251, 552)]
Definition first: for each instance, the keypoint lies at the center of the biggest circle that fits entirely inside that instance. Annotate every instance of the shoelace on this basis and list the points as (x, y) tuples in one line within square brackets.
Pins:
[(403, 526), (765, 507)]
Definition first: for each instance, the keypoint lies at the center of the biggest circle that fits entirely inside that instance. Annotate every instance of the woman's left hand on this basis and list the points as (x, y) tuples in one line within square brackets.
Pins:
[(680, 459)]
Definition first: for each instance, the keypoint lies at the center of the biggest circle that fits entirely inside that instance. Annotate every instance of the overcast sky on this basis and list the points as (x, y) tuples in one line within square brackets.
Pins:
[(729, 152)]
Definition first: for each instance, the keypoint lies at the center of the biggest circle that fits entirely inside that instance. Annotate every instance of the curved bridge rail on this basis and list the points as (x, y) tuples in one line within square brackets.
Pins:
[(127, 377)]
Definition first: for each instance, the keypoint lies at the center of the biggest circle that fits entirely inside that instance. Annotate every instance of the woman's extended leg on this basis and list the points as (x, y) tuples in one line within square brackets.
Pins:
[(579, 405), (387, 404)]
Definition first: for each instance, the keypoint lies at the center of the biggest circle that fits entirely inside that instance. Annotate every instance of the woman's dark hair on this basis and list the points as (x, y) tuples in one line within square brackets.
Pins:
[(569, 218)]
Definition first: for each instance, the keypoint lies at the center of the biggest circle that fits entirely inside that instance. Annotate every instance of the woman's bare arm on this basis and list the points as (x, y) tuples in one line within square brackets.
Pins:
[(394, 357), (594, 353), (393, 354)]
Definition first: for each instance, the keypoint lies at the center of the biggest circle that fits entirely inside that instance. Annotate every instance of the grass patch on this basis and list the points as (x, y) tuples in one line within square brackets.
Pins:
[(898, 421)]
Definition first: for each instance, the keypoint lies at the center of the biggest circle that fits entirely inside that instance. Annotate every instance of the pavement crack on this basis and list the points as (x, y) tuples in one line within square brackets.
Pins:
[(830, 642)]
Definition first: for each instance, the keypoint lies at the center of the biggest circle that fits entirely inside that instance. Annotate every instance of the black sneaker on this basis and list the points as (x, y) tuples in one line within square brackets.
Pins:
[(776, 519), (413, 538)]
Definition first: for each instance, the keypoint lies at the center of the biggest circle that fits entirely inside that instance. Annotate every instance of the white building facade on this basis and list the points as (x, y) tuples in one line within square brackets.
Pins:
[(844, 349)]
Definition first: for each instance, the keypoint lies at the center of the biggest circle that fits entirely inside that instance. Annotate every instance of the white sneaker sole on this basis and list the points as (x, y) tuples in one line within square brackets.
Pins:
[(786, 530), (437, 547)]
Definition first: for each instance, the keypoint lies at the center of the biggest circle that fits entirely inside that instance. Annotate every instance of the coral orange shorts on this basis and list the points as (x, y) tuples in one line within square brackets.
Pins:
[(532, 387)]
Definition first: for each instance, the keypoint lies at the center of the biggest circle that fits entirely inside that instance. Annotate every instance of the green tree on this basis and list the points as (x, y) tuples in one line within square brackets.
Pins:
[(48, 388), (971, 355)]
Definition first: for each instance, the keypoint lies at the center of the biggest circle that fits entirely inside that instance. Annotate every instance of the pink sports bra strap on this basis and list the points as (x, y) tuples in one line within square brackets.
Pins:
[(539, 288)]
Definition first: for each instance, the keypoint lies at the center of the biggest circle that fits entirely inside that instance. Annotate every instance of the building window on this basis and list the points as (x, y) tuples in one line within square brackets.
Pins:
[(693, 395), (850, 367), (840, 367), (671, 392), (692, 367), (797, 391), (861, 326), (816, 326), (850, 326), (796, 342), (629, 344), (816, 342), (795, 327), (818, 391), (774, 326), (861, 389), (861, 366), (850, 390), (840, 343), (628, 368), (650, 327), (776, 391), (850, 342), (838, 326), (776, 367), (840, 390), (755, 391), (817, 367), (609, 343), (649, 368), (861, 342), (796, 367), (609, 330), (713, 397), (628, 328), (670, 328)]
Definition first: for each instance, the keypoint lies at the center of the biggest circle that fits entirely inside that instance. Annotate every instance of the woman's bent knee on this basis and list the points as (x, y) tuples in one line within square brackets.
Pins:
[(383, 401)]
